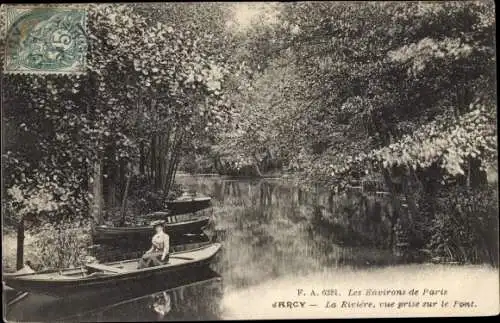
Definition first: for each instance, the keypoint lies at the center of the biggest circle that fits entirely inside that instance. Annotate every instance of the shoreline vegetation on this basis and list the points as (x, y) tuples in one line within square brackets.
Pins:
[(40, 245)]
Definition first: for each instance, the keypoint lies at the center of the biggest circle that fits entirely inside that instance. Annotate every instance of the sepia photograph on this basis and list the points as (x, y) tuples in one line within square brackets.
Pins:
[(174, 161)]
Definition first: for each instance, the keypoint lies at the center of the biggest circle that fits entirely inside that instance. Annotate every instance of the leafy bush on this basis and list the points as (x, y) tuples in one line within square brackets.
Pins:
[(61, 245), (145, 198), (175, 191), (465, 226), (149, 201)]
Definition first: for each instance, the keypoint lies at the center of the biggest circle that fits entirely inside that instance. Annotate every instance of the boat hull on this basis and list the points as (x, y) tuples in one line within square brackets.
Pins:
[(188, 205), (68, 287), (102, 233)]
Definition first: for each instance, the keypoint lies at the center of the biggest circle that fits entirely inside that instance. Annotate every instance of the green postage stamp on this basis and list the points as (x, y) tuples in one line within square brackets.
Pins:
[(45, 39)]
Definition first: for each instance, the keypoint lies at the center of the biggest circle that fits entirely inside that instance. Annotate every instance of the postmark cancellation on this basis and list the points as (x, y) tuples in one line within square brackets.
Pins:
[(45, 39)]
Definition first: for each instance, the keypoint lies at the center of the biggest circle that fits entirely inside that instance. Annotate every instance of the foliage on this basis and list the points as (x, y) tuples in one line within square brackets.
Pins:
[(468, 232), (61, 246), (333, 91), (443, 142), (264, 122), (405, 90), (150, 89), (377, 75)]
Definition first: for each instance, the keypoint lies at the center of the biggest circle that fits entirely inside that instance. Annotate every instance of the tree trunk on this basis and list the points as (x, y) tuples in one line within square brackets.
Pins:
[(390, 186), (257, 170), (159, 161), (165, 158), (256, 166), (125, 195), (111, 181), (468, 172), (96, 189), (172, 161), (153, 158), (111, 191), (431, 187), (172, 176), (169, 172), (142, 161), (122, 175), (20, 245), (412, 205), (396, 206)]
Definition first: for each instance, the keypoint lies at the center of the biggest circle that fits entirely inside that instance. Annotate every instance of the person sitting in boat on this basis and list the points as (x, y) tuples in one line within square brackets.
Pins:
[(158, 254)]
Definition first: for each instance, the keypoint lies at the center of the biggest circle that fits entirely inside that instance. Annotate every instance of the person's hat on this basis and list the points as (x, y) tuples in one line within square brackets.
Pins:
[(157, 223)]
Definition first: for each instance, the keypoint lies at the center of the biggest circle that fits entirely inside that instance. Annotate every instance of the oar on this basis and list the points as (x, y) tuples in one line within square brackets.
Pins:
[(193, 234), (17, 298)]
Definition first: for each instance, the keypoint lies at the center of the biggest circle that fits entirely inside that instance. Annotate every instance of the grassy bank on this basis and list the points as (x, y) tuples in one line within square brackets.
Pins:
[(9, 247), (48, 247)]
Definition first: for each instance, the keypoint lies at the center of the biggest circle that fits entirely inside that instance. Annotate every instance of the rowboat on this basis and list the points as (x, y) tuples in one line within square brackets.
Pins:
[(103, 232), (96, 277), (188, 204)]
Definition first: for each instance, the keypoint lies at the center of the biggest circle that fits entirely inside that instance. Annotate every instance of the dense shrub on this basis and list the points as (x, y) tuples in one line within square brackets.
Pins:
[(63, 245), (145, 198), (465, 226)]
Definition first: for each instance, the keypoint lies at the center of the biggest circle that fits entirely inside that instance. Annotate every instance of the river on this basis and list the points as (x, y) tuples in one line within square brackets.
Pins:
[(278, 236)]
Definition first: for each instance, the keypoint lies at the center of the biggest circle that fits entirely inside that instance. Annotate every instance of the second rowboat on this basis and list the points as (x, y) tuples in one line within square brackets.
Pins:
[(103, 233)]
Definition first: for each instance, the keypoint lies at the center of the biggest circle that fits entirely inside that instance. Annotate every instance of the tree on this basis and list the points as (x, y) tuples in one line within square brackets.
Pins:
[(149, 89), (402, 91)]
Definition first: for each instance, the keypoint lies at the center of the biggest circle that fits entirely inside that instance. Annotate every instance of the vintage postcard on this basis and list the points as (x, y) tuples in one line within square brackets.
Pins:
[(260, 160)]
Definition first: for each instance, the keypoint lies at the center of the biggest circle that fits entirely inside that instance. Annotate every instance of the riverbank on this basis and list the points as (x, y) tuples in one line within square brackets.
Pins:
[(47, 249), (269, 175), (9, 247), (287, 220)]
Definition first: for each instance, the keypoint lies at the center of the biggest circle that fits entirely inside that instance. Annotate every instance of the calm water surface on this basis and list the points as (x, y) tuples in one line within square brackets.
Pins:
[(270, 230)]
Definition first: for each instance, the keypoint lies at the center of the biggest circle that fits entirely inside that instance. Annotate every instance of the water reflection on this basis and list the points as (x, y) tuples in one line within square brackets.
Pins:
[(199, 300), (161, 304), (274, 228)]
